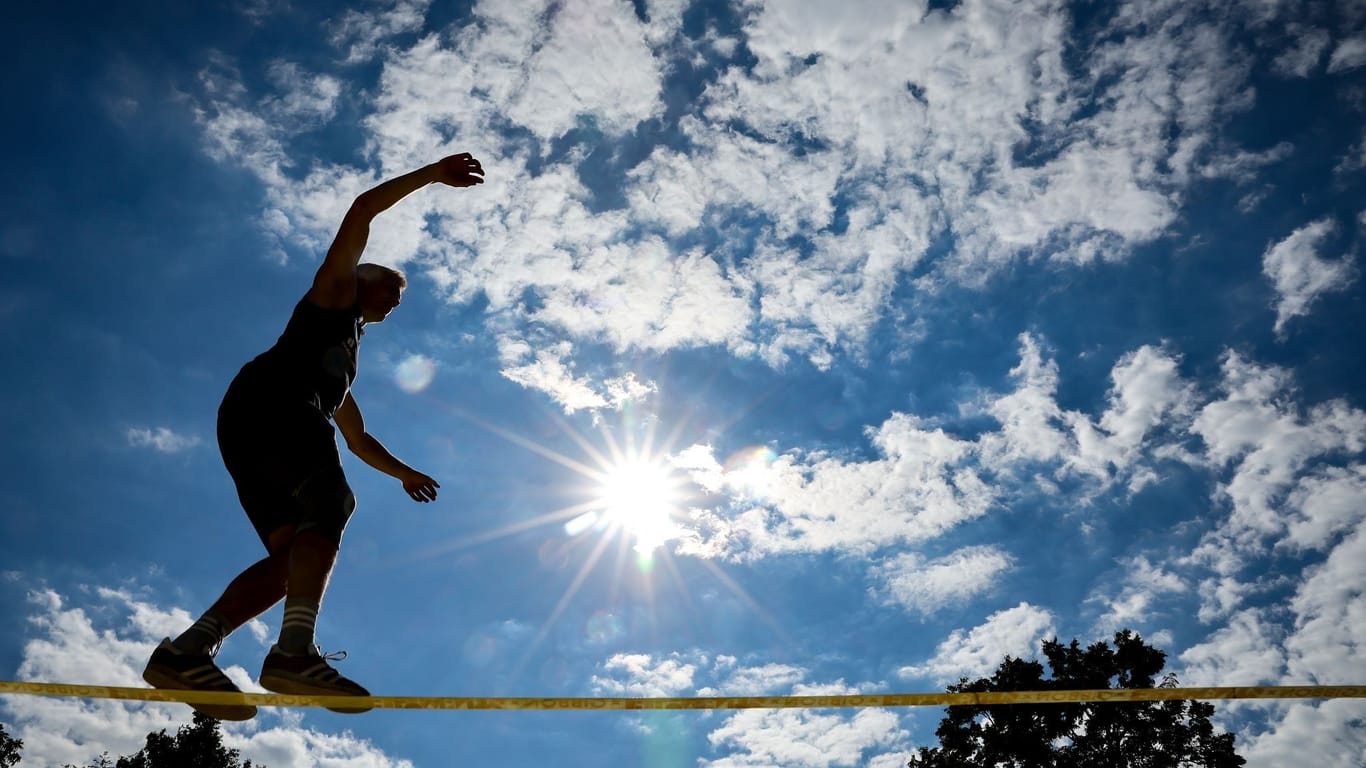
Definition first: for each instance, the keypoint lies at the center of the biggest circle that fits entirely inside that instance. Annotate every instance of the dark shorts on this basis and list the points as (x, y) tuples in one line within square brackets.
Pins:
[(275, 453)]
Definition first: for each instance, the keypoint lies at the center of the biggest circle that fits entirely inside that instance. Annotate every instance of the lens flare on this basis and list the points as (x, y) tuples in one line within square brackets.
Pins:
[(750, 471), (604, 627), (414, 373), (581, 523)]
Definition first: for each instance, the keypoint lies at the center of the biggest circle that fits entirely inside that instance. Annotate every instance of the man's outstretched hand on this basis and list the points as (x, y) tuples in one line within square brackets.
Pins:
[(420, 487), (460, 170)]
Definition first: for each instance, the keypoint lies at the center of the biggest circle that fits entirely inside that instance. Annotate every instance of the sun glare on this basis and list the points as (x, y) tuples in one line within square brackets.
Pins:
[(632, 495), (638, 496)]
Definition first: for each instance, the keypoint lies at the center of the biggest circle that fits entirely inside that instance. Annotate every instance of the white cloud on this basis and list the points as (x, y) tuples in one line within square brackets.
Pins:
[(1144, 584), (1325, 504), (1111, 156), (1148, 393), (304, 99), (1246, 650), (1017, 632), (1304, 56), (814, 503), (805, 738), (160, 439), (641, 297), (549, 373), (779, 30), (1245, 167), (234, 130), (305, 747), (107, 642), (694, 673), (1326, 733), (1220, 595), (1299, 275), (1353, 160), (594, 61), (257, 11), (1322, 646), (640, 674), (766, 678), (1291, 494), (1257, 428), (1348, 55), (254, 132), (1330, 617), (360, 33), (543, 66), (925, 481), (665, 20), (1031, 421), (925, 586)]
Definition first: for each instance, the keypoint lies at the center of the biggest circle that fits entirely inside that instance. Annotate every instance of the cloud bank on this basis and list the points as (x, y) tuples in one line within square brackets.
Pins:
[(827, 158)]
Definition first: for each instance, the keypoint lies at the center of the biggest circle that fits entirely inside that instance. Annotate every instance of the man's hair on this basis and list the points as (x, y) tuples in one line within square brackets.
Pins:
[(378, 273)]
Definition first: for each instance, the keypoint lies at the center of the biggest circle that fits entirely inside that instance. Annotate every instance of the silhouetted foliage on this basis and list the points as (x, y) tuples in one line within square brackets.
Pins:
[(199, 744), (100, 762), (1152, 734), (9, 748)]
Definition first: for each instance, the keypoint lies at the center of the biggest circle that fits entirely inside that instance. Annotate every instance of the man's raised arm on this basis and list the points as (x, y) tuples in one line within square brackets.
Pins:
[(334, 287)]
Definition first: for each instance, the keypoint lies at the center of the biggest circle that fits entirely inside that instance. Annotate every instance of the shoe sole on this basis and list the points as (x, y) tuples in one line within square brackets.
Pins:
[(169, 681), (295, 687)]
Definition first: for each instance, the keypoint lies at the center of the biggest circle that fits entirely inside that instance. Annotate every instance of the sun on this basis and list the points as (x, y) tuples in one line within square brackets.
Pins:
[(631, 491), (639, 497)]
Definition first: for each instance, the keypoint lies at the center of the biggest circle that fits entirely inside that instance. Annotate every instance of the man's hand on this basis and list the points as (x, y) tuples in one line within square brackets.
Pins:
[(419, 486), (460, 170)]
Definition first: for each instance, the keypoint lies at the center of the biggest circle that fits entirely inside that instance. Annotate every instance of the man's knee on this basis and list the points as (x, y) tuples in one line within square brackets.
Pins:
[(277, 571), (327, 504), (279, 541)]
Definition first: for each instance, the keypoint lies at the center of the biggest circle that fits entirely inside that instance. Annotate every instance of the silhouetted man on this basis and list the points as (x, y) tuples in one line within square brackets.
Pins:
[(281, 450)]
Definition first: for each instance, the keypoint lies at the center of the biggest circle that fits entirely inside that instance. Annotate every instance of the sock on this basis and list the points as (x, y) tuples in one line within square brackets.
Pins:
[(204, 635), (296, 633)]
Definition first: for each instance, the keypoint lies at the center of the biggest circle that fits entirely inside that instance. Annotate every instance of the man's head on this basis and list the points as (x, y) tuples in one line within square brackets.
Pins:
[(378, 290)]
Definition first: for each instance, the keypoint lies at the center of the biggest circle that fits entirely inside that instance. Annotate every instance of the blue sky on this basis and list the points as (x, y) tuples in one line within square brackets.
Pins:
[(941, 329)]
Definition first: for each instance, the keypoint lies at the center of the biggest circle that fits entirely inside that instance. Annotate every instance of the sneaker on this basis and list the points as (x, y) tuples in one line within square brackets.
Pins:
[(173, 669), (309, 674)]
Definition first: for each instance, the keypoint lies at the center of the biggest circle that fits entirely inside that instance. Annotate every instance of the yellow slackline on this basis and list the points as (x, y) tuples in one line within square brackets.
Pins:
[(702, 702)]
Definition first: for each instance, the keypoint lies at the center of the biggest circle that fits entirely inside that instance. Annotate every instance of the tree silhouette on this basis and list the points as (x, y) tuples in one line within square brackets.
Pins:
[(199, 744), (9, 748), (1153, 734)]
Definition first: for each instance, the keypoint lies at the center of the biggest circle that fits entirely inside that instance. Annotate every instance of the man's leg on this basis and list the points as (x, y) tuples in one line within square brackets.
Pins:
[(247, 596), (294, 665), (325, 505), (311, 557), (187, 661), (302, 561)]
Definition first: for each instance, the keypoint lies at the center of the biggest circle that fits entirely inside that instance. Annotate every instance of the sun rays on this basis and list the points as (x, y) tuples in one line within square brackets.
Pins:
[(628, 501)]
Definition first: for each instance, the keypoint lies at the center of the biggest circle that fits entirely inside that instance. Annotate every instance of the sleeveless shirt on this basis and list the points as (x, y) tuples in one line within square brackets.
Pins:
[(313, 362)]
